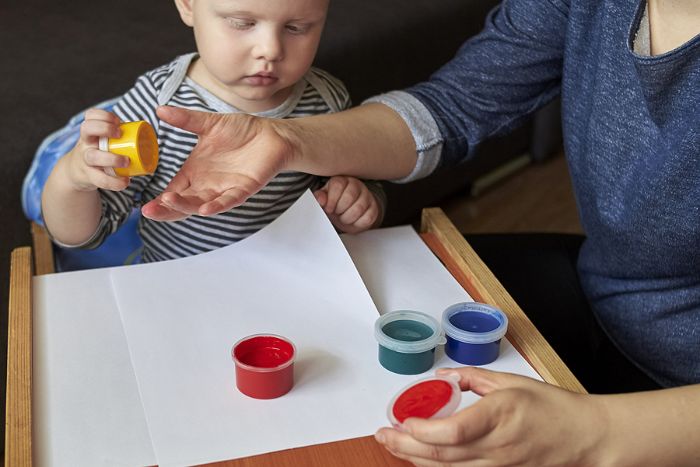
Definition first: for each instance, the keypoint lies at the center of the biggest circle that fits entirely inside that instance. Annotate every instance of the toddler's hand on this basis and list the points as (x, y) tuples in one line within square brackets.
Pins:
[(350, 205), (86, 164)]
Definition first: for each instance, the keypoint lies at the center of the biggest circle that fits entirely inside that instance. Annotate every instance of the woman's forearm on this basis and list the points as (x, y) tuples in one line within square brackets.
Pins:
[(653, 428), (369, 141)]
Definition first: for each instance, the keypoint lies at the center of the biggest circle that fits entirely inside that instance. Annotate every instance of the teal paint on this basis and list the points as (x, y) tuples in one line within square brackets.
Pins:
[(407, 330), (406, 363)]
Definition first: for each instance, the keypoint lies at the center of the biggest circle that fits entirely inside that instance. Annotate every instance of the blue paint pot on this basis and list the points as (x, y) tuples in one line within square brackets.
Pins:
[(407, 341), (473, 331)]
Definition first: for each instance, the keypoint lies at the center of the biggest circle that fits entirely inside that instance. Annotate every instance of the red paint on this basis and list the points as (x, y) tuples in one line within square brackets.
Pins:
[(422, 400), (264, 366)]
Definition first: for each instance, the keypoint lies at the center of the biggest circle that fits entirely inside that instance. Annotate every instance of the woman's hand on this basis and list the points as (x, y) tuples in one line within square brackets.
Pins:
[(236, 155), (518, 421)]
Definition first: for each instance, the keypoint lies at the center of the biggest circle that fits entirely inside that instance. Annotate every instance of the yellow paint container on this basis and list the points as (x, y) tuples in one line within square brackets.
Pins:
[(139, 143)]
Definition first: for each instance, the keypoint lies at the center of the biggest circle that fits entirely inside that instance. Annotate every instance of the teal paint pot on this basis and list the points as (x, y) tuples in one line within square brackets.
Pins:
[(407, 341)]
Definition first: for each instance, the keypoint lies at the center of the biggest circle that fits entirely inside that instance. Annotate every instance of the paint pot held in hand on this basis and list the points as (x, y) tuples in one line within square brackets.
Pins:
[(407, 341), (473, 332), (264, 365), (429, 398), (139, 143)]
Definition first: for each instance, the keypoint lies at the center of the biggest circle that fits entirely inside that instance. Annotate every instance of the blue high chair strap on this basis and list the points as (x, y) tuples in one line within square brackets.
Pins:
[(122, 247)]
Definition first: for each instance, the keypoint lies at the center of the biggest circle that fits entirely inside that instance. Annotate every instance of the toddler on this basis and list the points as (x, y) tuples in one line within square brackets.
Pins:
[(252, 57)]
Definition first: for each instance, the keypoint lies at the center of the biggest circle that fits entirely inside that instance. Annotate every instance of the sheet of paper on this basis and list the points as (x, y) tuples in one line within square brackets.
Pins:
[(86, 406), (295, 279), (151, 368)]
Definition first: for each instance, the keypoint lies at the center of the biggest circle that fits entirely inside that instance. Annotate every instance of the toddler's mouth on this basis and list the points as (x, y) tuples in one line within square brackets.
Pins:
[(261, 79)]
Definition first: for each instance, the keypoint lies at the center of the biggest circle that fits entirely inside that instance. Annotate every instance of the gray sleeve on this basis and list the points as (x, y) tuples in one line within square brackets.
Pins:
[(424, 129)]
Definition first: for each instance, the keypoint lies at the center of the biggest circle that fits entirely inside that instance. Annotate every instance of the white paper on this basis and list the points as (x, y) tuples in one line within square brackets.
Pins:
[(135, 361), (294, 279), (86, 404)]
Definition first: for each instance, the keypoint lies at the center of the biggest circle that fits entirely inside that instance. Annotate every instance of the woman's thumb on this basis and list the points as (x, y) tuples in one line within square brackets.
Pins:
[(185, 119)]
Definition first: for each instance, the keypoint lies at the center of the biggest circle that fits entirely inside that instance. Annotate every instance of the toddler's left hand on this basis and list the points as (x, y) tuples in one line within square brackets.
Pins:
[(350, 205)]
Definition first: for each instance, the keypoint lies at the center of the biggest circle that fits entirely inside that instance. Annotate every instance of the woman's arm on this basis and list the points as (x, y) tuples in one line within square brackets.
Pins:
[(238, 154)]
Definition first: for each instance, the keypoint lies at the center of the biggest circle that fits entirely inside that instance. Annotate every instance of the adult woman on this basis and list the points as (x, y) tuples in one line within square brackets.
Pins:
[(628, 73)]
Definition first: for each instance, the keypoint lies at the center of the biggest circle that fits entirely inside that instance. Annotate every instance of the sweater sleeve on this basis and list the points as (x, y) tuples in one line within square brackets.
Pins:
[(499, 77)]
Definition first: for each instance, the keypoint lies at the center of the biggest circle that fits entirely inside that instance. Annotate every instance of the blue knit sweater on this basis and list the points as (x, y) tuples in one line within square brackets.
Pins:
[(632, 139)]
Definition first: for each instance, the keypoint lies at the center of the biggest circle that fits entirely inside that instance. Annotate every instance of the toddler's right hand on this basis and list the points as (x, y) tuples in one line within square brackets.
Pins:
[(86, 164)]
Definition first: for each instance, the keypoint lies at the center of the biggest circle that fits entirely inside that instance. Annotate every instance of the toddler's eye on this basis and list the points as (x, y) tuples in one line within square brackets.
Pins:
[(241, 24), (297, 28)]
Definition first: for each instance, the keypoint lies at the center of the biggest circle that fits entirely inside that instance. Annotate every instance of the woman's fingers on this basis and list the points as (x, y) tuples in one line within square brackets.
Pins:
[(157, 211), (225, 202), (408, 446), (482, 381)]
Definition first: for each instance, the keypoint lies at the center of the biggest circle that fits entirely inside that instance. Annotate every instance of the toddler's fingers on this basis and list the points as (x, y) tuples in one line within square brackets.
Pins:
[(351, 195), (101, 179), (97, 128), (96, 158), (334, 188), (100, 114), (321, 196), (360, 215)]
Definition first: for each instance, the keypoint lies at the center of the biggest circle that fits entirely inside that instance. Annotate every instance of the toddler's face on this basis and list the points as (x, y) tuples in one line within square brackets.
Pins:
[(252, 52)]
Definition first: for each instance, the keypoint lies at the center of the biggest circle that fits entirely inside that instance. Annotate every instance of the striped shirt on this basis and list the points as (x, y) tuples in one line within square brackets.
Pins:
[(317, 93)]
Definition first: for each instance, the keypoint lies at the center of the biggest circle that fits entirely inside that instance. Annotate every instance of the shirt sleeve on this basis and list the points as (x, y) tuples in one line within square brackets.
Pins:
[(498, 78)]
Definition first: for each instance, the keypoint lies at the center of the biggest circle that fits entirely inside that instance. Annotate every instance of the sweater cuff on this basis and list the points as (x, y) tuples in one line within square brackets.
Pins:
[(424, 129)]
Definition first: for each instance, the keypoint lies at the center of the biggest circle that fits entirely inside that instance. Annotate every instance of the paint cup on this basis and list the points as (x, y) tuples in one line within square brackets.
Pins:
[(473, 332), (264, 365), (407, 341), (139, 143), (429, 398)]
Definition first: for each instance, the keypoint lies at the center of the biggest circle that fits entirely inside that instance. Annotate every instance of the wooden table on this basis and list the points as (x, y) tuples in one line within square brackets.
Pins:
[(438, 233)]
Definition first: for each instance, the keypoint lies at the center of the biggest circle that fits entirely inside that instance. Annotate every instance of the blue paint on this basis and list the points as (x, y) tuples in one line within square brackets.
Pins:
[(474, 321), (472, 354), (407, 341), (473, 332)]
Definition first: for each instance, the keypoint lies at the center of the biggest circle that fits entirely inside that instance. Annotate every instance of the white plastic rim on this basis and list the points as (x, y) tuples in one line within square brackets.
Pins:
[(103, 145), (446, 410), (260, 369), (471, 337), (423, 345)]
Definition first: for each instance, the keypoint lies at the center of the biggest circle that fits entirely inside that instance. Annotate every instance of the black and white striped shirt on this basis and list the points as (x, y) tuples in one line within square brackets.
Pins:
[(317, 93)]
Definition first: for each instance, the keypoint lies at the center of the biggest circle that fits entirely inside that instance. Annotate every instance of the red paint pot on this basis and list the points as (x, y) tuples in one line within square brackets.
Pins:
[(428, 398), (264, 365)]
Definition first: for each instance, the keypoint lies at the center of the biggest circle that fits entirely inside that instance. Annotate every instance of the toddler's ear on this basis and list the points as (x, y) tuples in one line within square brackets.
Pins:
[(185, 9)]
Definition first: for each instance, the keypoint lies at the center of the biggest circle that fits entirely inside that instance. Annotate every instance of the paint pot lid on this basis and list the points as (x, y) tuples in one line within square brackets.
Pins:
[(413, 343), (263, 352), (429, 398), (474, 316)]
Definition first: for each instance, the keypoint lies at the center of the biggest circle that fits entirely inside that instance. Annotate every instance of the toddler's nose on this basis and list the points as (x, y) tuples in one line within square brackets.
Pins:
[(269, 47)]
